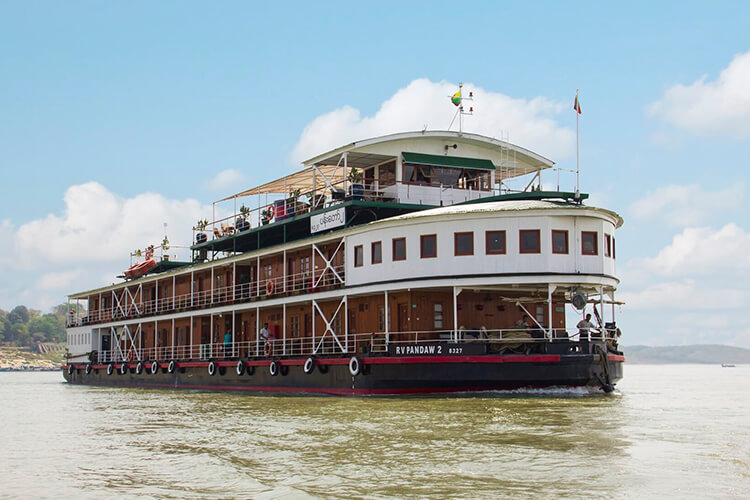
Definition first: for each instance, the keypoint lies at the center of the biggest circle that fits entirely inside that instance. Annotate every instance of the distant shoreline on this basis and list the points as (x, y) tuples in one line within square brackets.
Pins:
[(705, 354)]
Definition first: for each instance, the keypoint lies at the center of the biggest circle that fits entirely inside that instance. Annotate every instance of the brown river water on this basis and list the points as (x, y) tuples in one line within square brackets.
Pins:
[(674, 431)]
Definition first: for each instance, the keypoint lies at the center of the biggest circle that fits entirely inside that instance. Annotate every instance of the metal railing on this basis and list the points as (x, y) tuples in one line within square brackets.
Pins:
[(279, 286), (500, 341)]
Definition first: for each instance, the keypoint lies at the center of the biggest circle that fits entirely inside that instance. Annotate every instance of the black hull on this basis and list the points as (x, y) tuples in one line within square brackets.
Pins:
[(378, 375)]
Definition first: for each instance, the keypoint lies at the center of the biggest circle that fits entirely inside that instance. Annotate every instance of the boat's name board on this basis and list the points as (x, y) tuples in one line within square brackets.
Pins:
[(327, 220), (444, 349)]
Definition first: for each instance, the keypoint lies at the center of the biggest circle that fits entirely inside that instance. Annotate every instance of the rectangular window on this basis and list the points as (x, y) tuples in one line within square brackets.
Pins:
[(607, 246), (613, 247), (589, 243), (428, 246), (559, 241), (463, 243), (495, 242), (359, 256), (376, 252), (399, 248), (529, 241), (438, 315), (381, 318)]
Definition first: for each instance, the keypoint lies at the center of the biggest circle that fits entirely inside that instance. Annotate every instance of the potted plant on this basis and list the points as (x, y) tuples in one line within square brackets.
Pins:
[(242, 221), (356, 189), (291, 202), (265, 216), (201, 226), (165, 248)]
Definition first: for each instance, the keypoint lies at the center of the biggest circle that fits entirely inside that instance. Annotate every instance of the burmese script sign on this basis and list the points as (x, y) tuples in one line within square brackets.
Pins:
[(327, 220), (442, 349)]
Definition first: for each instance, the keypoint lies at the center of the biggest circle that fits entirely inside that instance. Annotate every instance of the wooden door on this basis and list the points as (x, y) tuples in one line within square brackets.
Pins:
[(403, 320)]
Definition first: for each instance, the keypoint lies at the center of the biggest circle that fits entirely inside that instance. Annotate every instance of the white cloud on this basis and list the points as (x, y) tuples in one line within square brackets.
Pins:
[(57, 280), (98, 225), (226, 179), (684, 295), (720, 107), (687, 205), (703, 251), (531, 123)]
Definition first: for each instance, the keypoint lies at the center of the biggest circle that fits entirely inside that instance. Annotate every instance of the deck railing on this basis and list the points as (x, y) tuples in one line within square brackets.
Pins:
[(281, 286), (500, 341)]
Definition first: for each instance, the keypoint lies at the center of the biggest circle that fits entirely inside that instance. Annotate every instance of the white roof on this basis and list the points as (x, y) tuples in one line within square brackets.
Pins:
[(504, 206)]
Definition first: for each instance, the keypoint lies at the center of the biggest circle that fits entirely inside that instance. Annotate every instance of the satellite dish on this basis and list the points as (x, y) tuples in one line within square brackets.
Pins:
[(579, 299)]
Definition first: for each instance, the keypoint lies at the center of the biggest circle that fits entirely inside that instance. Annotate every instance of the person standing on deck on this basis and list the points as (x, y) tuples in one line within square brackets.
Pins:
[(584, 328), (227, 343)]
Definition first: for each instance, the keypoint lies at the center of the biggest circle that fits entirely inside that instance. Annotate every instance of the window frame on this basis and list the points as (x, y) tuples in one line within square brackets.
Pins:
[(361, 259), (455, 243), (393, 249), (607, 245), (520, 241), (567, 241), (596, 243), (372, 252), (487, 250), (422, 239)]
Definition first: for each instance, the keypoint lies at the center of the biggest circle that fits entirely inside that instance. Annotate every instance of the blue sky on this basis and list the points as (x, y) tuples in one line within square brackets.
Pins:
[(161, 97)]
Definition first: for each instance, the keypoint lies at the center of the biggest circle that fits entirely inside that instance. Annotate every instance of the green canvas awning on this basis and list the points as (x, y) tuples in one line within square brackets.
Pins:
[(448, 161)]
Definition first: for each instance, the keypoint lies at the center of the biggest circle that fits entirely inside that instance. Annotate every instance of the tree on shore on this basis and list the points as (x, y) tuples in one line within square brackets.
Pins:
[(28, 327)]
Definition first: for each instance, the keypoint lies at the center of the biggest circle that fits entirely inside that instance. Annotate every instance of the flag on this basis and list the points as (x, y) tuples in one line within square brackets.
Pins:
[(576, 104), (456, 99)]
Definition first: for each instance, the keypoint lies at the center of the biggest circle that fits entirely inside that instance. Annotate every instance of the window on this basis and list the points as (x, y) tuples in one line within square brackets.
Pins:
[(607, 246), (268, 271), (381, 318), (438, 315), (463, 243), (376, 252), (559, 241), (589, 243), (613, 247), (359, 256), (529, 241), (428, 246), (399, 248), (494, 242)]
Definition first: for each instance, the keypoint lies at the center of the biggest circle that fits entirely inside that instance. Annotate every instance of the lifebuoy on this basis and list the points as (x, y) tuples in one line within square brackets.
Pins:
[(154, 367), (354, 366), (110, 368), (273, 368), (70, 369), (240, 368), (309, 365), (271, 211), (268, 349), (123, 369), (88, 368), (270, 287), (139, 368), (211, 368), (172, 366)]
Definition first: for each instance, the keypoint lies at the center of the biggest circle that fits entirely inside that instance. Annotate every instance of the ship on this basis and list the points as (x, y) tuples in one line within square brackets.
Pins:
[(427, 262)]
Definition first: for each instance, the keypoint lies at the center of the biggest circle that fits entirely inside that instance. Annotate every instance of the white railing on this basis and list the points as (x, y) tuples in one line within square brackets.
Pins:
[(242, 292), (509, 340)]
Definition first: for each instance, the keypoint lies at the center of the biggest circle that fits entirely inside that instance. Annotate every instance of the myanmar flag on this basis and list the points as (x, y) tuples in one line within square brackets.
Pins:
[(576, 104)]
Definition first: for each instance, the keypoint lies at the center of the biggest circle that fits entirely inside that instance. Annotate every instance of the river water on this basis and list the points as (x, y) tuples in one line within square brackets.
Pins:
[(668, 431)]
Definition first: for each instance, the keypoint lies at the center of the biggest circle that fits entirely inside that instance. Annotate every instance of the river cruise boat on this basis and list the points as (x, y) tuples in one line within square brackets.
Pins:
[(402, 264)]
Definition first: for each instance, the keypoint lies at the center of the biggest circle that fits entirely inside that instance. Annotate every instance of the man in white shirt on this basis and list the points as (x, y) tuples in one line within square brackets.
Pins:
[(264, 333), (584, 327)]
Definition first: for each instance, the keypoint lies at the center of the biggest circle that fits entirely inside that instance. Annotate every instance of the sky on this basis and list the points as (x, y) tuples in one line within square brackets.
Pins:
[(116, 118)]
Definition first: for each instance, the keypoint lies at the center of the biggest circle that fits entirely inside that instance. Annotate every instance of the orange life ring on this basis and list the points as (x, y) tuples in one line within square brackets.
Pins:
[(271, 211), (270, 287), (267, 349)]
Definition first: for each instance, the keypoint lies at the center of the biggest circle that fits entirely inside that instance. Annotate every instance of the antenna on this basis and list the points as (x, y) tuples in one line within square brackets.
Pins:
[(458, 100)]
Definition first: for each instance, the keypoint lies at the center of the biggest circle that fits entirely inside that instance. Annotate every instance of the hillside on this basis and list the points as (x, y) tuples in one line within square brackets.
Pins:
[(708, 353)]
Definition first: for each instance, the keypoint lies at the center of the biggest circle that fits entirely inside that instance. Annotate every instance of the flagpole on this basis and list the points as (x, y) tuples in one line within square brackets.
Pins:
[(578, 192)]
